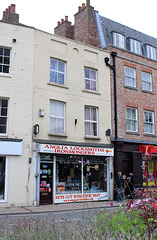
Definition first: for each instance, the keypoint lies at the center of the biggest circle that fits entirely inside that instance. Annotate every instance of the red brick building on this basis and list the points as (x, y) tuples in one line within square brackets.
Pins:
[(133, 88)]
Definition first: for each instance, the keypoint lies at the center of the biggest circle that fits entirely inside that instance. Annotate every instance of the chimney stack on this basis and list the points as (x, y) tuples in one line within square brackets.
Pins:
[(87, 2), (83, 5), (9, 14)]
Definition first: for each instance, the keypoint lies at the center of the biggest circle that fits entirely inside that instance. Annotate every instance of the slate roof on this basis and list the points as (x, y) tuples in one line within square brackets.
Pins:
[(108, 26)]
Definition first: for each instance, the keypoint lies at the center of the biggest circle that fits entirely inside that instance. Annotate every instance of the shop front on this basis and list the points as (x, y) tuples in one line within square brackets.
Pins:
[(74, 173), (149, 164)]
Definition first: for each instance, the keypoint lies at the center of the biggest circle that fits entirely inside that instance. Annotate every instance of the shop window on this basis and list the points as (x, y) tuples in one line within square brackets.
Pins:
[(94, 175), (76, 176), (68, 175), (2, 178), (149, 173)]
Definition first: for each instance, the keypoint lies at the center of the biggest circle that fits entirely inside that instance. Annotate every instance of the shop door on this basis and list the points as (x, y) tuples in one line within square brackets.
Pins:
[(46, 182)]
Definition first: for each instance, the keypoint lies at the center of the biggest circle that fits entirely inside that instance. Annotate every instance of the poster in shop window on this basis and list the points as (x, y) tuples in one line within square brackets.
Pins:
[(151, 180)]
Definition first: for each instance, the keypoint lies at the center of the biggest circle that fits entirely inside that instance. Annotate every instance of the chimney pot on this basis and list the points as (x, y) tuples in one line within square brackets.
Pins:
[(62, 20), (87, 2), (59, 23), (83, 5), (13, 8), (6, 10), (66, 18), (79, 9), (4, 13)]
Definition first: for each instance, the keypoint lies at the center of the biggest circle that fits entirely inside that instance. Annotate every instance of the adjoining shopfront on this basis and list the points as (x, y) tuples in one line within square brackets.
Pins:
[(74, 173), (149, 164)]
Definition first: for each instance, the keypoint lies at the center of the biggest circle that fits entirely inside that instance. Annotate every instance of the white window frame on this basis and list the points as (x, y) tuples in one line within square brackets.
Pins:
[(90, 79), (3, 57), (135, 46), (91, 122), (119, 40), (128, 78), (57, 117), (57, 72), (131, 120), (6, 133), (146, 81), (151, 52), (148, 122)]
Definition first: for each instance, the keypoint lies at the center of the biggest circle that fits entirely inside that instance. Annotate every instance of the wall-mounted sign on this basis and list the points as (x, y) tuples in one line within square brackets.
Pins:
[(62, 198), (76, 150)]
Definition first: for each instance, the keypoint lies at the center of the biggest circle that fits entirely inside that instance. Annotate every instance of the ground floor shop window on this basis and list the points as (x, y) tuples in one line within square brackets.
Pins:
[(149, 173), (76, 174), (94, 175), (2, 178)]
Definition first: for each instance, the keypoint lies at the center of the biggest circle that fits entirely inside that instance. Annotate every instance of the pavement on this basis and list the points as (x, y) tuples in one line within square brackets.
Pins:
[(61, 207)]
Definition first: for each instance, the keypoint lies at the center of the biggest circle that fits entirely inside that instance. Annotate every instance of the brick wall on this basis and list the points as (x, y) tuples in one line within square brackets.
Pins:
[(84, 29), (134, 97)]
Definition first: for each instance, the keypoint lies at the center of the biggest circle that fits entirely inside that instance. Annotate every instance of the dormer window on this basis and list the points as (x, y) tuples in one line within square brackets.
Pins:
[(118, 40), (151, 52), (135, 46)]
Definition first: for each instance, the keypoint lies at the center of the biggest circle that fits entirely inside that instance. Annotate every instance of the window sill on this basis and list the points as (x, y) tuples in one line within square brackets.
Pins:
[(92, 137), (132, 133), (150, 135), (130, 87), (5, 75), (57, 135), (57, 85), (89, 91), (147, 91)]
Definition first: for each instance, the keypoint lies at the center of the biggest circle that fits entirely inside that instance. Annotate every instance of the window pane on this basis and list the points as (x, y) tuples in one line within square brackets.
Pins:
[(60, 126), (7, 52), (60, 109), (60, 66), (60, 78), (87, 128), (87, 113), (5, 69), (53, 64), (87, 73), (93, 114)]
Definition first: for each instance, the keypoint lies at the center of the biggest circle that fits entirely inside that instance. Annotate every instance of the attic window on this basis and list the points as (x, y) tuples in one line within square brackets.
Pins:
[(118, 40), (151, 52), (135, 46)]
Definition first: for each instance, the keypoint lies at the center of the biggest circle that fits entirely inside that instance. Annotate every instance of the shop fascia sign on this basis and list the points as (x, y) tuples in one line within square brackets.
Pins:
[(76, 150)]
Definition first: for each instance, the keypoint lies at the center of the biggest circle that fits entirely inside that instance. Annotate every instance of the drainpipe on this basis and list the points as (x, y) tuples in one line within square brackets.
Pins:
[(113, 67)]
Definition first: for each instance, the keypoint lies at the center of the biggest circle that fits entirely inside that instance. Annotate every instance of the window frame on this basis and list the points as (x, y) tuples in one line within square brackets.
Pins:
[(152, 123), (135, 46), (151, 52), (57, 117), (121, 41), (6, 116), (149, 83), (3, 64), (90, 79), (132, 120), (90, 121), (57, 71), (129, 77)]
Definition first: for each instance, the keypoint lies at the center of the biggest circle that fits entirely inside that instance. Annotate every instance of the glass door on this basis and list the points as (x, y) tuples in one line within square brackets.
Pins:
[(46, 182)]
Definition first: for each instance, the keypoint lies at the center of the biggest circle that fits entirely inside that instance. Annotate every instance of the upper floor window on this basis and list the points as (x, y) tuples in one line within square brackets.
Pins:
[(130, 77), (135, 46), (90, 79), (3, 116), (151, 52), (57, 117), (57, 71), (148, 122), (146, 81), (4, 60), (91, 121), (118, 40), (131, 119)]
